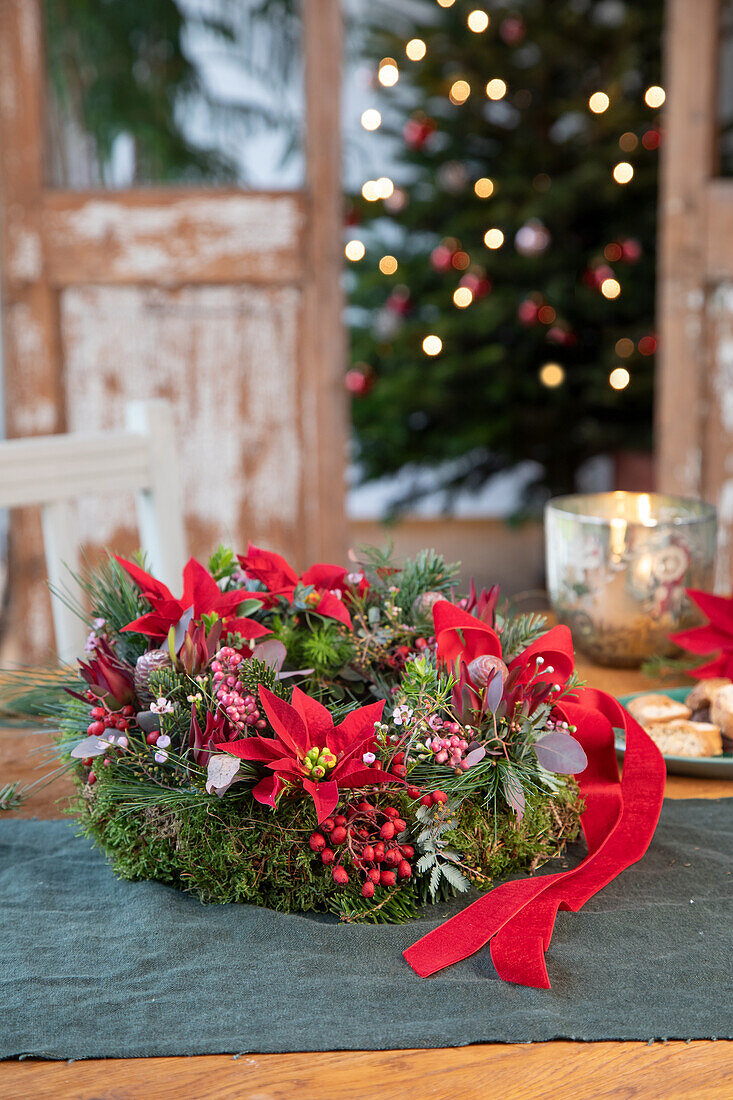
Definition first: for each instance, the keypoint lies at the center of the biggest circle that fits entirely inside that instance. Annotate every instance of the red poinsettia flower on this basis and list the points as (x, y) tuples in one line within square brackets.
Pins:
[(201, 595), (716, 635), (464, 638), (309, 751), (280, 579)]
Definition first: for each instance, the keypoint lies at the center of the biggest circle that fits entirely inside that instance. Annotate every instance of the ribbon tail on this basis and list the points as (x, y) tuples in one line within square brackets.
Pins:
[(518, 917)]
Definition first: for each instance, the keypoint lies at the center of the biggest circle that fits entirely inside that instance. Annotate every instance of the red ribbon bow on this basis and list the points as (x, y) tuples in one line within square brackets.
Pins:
[(620, 816)]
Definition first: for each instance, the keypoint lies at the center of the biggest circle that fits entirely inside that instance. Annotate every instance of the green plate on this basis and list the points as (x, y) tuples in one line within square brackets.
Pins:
[(704, 767)]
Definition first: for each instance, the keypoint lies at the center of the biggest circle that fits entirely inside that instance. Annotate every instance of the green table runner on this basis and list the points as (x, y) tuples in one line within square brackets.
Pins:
[(94, 967)]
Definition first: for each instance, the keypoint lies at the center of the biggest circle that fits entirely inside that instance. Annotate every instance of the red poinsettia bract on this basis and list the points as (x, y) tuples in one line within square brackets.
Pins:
[(717, 634), (463, 638), (280, 579), (309, 751), (201, 594)]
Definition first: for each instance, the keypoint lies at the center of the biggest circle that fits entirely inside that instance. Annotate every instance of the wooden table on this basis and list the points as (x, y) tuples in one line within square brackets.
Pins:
[(538, 1070)]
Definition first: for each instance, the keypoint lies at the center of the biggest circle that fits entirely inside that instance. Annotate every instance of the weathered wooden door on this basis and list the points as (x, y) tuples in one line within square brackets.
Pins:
[(694, 414), (225, 302)]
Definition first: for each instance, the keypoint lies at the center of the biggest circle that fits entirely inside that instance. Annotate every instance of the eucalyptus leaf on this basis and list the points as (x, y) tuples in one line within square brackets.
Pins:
[(559, 752), (221, 772), (474, 756)]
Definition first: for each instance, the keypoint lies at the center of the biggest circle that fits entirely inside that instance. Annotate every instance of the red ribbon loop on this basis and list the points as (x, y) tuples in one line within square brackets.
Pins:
[(618, 822)]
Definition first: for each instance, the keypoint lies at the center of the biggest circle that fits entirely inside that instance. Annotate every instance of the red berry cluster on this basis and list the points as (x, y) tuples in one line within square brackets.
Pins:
[(435, 798), (368, 840), (103, 719)]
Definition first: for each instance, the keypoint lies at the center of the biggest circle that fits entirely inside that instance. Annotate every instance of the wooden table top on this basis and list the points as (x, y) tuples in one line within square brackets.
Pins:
[(604, 1071)]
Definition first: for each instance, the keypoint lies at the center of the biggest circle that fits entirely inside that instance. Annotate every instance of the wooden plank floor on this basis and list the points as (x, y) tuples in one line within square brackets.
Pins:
[(603, 1071)]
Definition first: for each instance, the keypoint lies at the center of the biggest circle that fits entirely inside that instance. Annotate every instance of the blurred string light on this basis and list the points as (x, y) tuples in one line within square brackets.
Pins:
[(415, 49), (610, 288), (477, 21), (462, 297), (459, 92), (382, 188), (371, 119), (552, 375), (613, 252), (619, 378), (628, 141), (599, 102), (624, 347), (432, 345), (623, 172), (496, 88), (388, 73), (654, 96), (354, 250), (388, 265), (446, 3), (484, 187), (493, 238)]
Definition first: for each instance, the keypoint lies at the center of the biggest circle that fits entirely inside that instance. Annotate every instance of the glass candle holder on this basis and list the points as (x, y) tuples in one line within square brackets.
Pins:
[(618, 565)]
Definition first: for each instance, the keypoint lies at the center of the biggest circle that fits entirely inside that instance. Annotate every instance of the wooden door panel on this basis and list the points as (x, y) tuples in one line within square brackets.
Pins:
[(226, 357), (226, 302)]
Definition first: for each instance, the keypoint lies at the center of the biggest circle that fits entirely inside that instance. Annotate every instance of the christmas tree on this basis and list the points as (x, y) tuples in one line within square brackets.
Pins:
[(504, 279)]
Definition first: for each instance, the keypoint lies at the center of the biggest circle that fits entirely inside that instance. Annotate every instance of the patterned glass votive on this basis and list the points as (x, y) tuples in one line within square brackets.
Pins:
[(618, 565)]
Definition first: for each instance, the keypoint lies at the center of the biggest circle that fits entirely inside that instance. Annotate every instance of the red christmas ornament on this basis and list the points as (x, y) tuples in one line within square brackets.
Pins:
[(512, 30), (399, 301), (441, 257), (358, 383), (527, 311), (417, 130), (631, 250)]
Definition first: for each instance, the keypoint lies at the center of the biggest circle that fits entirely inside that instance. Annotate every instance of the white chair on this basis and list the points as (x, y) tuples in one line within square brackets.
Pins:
[(52, 470)]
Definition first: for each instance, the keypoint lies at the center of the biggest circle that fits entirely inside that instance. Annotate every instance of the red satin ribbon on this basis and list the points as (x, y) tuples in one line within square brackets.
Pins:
[(618, 823)]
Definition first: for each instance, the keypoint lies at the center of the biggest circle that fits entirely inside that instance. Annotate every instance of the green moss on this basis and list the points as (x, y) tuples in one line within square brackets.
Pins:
[(235, 850)]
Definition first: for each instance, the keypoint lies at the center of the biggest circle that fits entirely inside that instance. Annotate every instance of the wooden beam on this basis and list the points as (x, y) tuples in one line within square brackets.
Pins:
[(323, 348), (32, 362), (687, 165), (172, 236)]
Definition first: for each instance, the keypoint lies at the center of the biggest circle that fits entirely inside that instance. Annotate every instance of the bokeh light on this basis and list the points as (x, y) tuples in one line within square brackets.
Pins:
[(477, 21), (493, 238), (462, 297), (432, 345), (654, 96), (619, 378), (623, 172), (552, 375), (610, 288), (388, 265), (355, 250), (371, 119), (459, 92), (496, 88), (388, 73), (415, 49), (598, 103), (484, 187)]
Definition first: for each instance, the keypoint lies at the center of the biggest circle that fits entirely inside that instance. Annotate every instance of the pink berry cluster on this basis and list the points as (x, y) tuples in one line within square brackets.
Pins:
[(366, 839), (240, 706), (447, 745)]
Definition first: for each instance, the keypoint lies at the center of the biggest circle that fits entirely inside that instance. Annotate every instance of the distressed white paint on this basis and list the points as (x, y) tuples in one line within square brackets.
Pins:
[(25, 258), (167, 241), (226, 357)]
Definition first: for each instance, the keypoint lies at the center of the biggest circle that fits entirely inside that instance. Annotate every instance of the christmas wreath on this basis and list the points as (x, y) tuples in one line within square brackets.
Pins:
[(362, 742)]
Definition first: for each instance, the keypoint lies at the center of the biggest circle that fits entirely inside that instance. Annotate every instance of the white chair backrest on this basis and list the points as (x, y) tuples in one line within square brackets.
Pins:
[(52, 470)]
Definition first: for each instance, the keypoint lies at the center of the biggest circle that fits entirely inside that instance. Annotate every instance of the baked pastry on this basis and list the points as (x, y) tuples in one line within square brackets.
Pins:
[(704, 691), (683, 738), (721, 713), (650, 709)]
